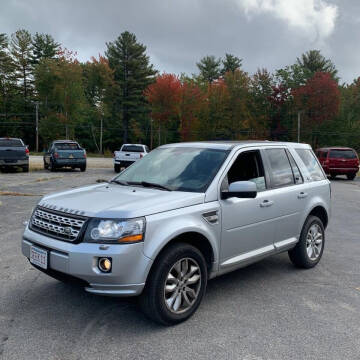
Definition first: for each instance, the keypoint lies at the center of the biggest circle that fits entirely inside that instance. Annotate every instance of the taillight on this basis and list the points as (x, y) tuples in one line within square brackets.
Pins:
[(141, 155), (27, 151), (56, 155), (84, 153)]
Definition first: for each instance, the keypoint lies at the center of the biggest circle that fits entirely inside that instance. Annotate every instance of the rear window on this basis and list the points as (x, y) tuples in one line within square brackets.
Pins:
[(311, 164), (342, 154), (132, 148), (11, 142), (281, 173), (67, 146)]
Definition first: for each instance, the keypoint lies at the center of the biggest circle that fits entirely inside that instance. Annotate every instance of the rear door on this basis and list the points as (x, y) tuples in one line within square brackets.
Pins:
[(343, 158), (289, 194), (12, 150)]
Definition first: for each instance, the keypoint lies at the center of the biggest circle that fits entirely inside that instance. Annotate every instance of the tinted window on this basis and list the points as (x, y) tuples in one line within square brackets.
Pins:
[(67, 146), (280, 169), (297, 175), (342, 154), (247, 167), (132, 148), (311, 164), (178, 168), (11, 142)]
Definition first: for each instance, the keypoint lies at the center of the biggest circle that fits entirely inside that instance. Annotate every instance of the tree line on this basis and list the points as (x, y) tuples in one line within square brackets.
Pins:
[(120, 97)]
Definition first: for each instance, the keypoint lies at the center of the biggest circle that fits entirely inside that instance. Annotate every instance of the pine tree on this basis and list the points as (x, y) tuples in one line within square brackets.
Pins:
[(44, 47), (132, 74), (230, 63), (21, 51), (209, 68)]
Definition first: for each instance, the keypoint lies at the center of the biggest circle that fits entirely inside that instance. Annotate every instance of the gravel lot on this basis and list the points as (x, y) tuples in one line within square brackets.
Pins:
[(269, 310)]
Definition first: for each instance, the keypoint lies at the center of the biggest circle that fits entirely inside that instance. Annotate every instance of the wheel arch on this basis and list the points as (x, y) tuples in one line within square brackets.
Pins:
[(321, 213)]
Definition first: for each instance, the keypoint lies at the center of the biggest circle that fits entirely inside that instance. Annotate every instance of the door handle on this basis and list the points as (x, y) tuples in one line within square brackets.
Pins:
[(266, 203), (302, 195)]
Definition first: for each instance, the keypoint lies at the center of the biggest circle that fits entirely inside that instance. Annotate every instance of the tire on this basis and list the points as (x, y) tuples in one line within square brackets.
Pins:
[(46, 166), (83, 168), (25, 168), (308, 251), (164, 308), (332, 176), (117, 168), (51, 166), (351, 176)]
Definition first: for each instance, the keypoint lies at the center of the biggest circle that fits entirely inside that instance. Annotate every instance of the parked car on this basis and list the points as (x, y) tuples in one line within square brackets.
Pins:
[(339, 161), (128, 154), (184, 214), (65, 153), (13, 153)]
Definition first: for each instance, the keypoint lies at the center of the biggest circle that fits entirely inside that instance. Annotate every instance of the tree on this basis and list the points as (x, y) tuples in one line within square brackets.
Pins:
[(132, 74), (191, 102), (314, 62), (164, 97), (209, 68), (21, 51), (44, 47), (230, 64), (319, 99)]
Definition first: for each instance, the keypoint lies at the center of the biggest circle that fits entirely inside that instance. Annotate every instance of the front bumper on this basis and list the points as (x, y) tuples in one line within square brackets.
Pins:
[(129, 264), (21, 162)]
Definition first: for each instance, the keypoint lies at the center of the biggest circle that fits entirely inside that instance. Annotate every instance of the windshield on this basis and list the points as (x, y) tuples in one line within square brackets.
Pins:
[(11, 142), (177, 168), (132, 148), (67, 146), (342, 154)]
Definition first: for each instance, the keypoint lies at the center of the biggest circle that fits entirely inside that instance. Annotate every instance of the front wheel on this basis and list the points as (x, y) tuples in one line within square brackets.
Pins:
[(176, 285), (308, 251), (351, 176)]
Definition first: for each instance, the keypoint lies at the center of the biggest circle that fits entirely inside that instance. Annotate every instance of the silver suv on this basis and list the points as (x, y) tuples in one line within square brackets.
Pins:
[(180, 216)]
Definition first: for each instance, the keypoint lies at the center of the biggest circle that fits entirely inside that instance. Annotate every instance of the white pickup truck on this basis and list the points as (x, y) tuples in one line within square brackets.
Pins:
[(128, 154)]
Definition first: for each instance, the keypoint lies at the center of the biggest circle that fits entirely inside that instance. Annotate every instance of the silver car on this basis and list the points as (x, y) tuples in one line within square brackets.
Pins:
[(180, 216)]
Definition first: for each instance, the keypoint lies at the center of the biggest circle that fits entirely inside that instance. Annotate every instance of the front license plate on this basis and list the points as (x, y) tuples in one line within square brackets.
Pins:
[(39, 257)]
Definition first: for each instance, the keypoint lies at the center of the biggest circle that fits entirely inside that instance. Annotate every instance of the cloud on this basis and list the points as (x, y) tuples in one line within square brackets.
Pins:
[(314, 18)]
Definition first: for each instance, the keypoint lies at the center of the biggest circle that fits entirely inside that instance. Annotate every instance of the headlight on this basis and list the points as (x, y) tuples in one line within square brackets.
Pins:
[(115, 231)]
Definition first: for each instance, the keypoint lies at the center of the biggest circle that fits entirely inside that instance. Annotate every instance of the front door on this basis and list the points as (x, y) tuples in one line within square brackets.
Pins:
[(248, 225)]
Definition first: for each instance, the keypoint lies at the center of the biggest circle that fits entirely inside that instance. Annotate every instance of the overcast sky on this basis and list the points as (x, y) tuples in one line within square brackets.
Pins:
[(177, 33)]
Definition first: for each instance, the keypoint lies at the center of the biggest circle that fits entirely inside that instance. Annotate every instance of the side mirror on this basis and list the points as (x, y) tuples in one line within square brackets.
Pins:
[(240, 189)]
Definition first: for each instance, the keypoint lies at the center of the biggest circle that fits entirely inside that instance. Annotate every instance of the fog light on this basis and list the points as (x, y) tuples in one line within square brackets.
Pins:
[(104, 264)]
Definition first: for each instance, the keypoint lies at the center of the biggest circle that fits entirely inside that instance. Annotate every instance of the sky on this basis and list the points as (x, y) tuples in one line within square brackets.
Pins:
[(178, 33)]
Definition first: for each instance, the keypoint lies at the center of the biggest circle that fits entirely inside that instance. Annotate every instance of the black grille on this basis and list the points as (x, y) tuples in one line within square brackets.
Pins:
[(57, 225)]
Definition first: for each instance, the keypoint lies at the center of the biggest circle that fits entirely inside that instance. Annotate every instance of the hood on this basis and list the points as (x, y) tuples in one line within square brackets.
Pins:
[(117, 201)]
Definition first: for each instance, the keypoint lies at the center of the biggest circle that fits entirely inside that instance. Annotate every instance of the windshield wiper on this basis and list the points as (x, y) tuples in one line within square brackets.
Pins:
[(150, 184), (119, 182)]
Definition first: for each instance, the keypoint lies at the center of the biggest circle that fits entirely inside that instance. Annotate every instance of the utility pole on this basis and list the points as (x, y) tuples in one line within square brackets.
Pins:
[(37, 125), (101, 134), (151, 134), (298, 131)]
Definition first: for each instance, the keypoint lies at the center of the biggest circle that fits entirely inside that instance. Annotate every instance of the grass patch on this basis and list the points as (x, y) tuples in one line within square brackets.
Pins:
[(14, 193)]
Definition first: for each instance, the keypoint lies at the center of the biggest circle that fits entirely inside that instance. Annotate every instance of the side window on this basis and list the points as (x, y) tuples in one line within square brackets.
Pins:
[(297, 175), (281, 173), (311, 164), (247, 167)]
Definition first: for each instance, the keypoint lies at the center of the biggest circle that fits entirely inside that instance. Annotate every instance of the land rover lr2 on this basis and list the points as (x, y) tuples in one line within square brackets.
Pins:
[(180, 216)]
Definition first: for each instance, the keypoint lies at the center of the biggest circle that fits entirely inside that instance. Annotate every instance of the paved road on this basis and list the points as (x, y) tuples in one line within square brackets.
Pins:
[(269, 310)]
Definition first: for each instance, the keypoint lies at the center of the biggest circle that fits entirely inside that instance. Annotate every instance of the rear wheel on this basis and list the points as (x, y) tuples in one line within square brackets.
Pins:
[(83, 168), (308, 251), (332, 176), (26, 168), (351, 176), (176, 285), (117, 168), (46, 166)]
